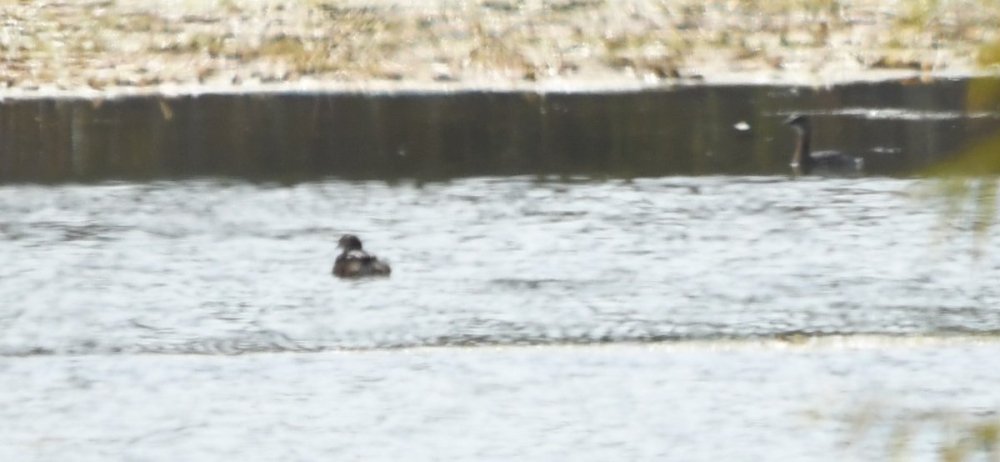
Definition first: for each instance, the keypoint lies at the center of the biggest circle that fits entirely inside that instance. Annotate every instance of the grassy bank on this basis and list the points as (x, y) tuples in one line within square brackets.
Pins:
[(96, 45)]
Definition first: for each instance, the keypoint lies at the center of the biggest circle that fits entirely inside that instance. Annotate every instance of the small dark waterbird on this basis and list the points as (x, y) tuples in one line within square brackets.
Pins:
[(354, 262), (805, 161)]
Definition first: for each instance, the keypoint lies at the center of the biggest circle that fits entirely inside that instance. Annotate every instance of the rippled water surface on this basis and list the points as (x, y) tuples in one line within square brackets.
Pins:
[(574, 318)]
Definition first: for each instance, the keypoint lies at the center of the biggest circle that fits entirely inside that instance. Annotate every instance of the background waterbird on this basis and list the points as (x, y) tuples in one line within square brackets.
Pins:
[(805, 161)]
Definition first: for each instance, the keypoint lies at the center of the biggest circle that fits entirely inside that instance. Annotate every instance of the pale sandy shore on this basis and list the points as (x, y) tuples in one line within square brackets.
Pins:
[(96, 48)]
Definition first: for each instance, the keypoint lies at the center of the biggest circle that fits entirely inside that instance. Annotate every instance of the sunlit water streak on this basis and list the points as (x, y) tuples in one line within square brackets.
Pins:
[(607, 319)]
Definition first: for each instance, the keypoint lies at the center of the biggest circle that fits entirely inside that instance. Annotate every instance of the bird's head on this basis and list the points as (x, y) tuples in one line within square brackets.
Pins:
[(349, 242)]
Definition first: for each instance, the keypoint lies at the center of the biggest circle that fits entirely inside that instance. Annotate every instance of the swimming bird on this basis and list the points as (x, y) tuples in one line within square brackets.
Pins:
[(805, 161), (354, 262)]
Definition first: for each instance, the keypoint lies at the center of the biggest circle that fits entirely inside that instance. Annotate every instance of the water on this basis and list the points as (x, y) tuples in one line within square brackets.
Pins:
[(898, 127), (700, 318)]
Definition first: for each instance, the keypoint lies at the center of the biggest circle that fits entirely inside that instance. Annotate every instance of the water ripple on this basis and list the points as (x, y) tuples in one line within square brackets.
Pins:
[(222, 267)]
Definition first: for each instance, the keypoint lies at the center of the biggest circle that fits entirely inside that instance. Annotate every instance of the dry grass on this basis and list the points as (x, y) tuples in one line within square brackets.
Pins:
[(106, 43), (957, 436)]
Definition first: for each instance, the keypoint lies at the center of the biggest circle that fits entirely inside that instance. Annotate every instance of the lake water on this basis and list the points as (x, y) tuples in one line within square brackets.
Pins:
[(676, 318)]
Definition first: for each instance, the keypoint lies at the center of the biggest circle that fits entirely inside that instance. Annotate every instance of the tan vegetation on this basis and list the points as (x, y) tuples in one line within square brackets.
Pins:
[(99, 44), (957, 436)]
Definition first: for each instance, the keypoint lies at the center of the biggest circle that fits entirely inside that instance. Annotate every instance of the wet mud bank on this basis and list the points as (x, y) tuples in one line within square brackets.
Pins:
[(898, 127)]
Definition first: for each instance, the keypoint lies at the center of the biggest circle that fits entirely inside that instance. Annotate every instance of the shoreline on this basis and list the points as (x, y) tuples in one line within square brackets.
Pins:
[(568, 87)]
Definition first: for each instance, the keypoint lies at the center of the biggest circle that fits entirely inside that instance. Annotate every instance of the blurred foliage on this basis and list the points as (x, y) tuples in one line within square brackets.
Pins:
[(969, 179), (957, 437)]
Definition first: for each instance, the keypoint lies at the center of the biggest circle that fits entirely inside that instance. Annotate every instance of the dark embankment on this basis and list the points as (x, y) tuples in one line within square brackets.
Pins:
[(899, 127)]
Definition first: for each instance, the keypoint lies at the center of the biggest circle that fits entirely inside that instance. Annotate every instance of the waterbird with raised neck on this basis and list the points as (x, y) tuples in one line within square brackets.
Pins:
[(806, 161)]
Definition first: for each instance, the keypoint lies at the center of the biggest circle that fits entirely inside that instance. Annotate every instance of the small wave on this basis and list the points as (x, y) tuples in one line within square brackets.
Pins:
[(57, 231), (901, 114), (785, 339), (526, 283)]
